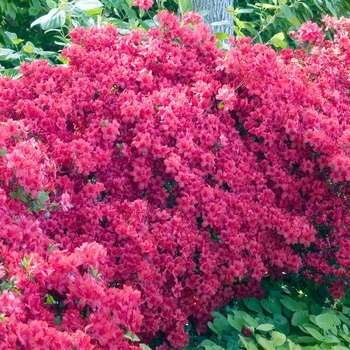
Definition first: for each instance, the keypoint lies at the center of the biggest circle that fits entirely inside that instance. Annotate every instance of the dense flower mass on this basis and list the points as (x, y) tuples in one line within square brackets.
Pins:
[(156, 177), (143, 4)]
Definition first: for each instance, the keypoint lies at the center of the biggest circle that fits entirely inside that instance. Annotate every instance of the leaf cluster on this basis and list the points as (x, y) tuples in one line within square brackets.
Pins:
[(270, 21), (286, 319)]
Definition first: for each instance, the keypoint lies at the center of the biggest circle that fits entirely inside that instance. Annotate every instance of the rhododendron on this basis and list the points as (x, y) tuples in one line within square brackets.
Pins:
[(156, 177)]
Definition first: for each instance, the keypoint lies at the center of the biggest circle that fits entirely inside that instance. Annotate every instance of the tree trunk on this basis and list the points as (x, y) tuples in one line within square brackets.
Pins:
[(216, 13)]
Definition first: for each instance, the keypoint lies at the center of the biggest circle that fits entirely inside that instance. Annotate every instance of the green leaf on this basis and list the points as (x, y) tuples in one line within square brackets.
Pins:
[(248, 345), (271, 305), (50, 299), (221, 35), (281, 324), (17, 41), (324, 321), (331, 9), (11, 36), (278, 41), (220, 322), (26, 261), (51, 4), (130, 336), (278, 338), (144, 347), (269, 6), (316, 309), (331, 339), (20, 193), (288, 14), (250, 321), (265, 327), (308, 9), (293, 346), (339, 347), (239, 11), (305, 339), (253, 304), (5, 52), (300, 317), (314, 333), (3, 151), (185, 6), (52, 247), (28, 47), (54, 19), (43, 196), (210, 345), (87, 5), (235, 322), (14, 56), (58, 320), (265, 344), (12, 73), (290, 303)]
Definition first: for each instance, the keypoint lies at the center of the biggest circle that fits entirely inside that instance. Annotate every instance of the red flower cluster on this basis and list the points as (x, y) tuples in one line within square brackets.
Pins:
[(143, 4), (157, 177)]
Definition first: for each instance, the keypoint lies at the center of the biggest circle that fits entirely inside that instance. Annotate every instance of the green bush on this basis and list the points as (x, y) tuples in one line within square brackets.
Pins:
[(270, 21), (288, 318)]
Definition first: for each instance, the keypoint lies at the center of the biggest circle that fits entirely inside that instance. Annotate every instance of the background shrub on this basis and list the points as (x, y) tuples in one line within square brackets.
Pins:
[(287, 318)]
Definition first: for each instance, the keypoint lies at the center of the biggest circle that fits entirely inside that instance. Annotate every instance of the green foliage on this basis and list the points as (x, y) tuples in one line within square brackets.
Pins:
[(286, 319), (38, 29), (40, 202), (270, 21)]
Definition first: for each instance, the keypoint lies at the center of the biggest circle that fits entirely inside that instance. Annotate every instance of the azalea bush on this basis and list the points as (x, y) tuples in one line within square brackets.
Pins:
[(156, 177), (39, 29)]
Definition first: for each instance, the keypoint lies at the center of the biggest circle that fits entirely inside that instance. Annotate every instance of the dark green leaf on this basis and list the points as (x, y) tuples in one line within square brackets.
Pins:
[(300, 317), (253, 304), (271, 305), (281, 324), (290, 303), (331, 9)]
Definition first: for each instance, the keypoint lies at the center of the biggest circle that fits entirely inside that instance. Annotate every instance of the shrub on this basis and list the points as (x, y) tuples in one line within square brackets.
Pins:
[(285, 319), (156, 177), (270, 21)]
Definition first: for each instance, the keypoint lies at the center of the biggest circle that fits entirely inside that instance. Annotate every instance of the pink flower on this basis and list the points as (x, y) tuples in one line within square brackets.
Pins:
[(228, 96), (65, 202), (310, 33), (143, 4)]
